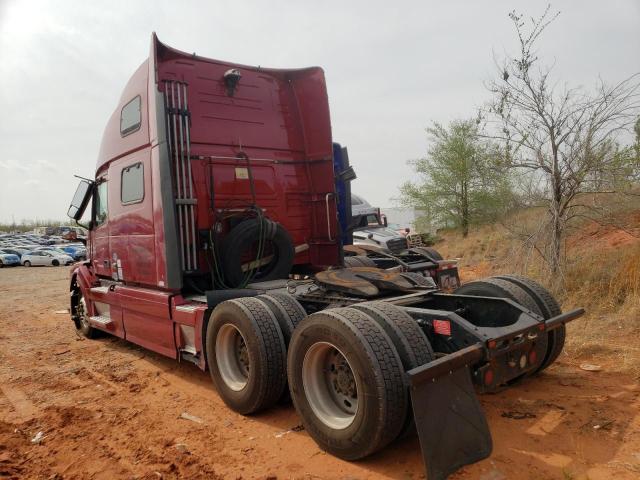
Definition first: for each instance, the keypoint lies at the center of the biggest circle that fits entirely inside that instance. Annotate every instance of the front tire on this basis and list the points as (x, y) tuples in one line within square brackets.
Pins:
[(347, 382), (246, 354), (81, 318), (55, 263), (27, 263)]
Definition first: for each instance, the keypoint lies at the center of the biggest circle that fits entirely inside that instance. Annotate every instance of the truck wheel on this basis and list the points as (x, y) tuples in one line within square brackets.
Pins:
[(347, 382), (358, 261), (550, 308), (289, 313), (83, 327), (27, 263), (246, 354), (411, 343), (430, 253), (500, 288), (405, 333), (287, 310)]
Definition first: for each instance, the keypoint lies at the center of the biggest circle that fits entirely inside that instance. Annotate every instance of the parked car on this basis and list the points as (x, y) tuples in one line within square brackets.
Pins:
[(77, 252), (15, 251), (8, 259), (45, 257)]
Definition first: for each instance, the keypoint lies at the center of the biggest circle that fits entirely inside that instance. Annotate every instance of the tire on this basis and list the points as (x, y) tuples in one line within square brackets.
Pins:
[(405, 333), (287, 310), (368, 366), (27, 263), (430, 253), (240, 240), (83, 327), (550, 308), (246, 355), (55, 263), (358, 261), (500, 288), (410, 342), (1, 264), (289, 313)]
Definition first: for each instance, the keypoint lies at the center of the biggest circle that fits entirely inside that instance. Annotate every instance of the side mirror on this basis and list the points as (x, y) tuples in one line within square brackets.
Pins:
[(80, 200)]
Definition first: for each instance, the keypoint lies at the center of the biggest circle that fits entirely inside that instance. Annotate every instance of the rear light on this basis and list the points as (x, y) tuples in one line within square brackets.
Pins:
[(488, 377), (442, 327), (492, 344), (533, 357)]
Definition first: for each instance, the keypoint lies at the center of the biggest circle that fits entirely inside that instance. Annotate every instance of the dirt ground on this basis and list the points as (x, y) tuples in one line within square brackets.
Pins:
[(109, 410)]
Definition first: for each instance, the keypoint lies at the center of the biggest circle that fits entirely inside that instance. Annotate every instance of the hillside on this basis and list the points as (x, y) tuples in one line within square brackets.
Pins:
[(602, 275)]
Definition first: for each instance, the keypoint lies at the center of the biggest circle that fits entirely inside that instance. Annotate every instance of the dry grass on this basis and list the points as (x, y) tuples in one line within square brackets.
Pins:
[(602, 275)]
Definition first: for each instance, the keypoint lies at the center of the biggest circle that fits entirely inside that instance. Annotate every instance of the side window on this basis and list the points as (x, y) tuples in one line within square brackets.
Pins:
[(100, 199), (132, 184), (130, 117)]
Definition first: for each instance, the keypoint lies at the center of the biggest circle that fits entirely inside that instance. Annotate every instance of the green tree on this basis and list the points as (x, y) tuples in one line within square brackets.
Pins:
[(461, 179)]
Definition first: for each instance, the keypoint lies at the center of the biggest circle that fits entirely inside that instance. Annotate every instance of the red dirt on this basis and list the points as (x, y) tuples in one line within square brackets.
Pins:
[(607, 236), (111, 410)]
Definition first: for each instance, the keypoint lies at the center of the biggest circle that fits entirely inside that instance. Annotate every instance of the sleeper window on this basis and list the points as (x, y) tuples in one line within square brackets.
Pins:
[(130, 117), (132, 185)]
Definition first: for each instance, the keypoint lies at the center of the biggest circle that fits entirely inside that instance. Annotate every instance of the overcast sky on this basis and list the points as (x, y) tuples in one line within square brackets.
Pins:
[(392, 68)]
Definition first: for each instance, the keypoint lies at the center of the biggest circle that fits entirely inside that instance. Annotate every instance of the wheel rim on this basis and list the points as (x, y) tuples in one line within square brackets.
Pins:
[(232, 357), (81, 312), (330, 385)]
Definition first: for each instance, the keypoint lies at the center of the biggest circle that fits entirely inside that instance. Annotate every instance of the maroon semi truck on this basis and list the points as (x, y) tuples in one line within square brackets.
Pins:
[(213, 238)]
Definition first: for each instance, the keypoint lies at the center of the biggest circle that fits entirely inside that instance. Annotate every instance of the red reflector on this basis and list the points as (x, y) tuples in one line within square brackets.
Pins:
[(488, 377), (442, 327), (492, 344), (532, 357)]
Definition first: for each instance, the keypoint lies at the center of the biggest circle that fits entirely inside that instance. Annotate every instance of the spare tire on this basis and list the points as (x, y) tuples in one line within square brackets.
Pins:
[(239, 247)]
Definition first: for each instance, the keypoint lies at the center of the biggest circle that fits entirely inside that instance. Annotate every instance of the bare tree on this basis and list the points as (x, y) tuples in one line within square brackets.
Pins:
[(567, 137)]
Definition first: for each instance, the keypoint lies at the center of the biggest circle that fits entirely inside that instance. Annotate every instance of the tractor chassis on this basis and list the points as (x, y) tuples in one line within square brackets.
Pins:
[(481, 344)]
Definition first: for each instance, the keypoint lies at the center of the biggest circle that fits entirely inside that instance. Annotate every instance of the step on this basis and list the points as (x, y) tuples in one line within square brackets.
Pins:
[(100, 321), (99, 289), (188, 307)]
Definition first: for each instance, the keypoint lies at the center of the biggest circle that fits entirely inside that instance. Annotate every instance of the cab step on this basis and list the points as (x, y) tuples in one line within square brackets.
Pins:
[(101, 321)]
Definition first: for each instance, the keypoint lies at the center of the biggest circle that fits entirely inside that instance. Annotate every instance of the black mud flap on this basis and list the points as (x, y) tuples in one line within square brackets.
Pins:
[(451, 424)]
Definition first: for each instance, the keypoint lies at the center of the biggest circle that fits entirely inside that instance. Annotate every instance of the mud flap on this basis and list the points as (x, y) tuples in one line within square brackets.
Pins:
[(451, 424)]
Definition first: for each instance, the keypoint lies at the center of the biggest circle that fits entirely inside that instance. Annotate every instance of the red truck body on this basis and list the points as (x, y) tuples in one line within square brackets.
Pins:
[(268, 142), (203, 160)]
